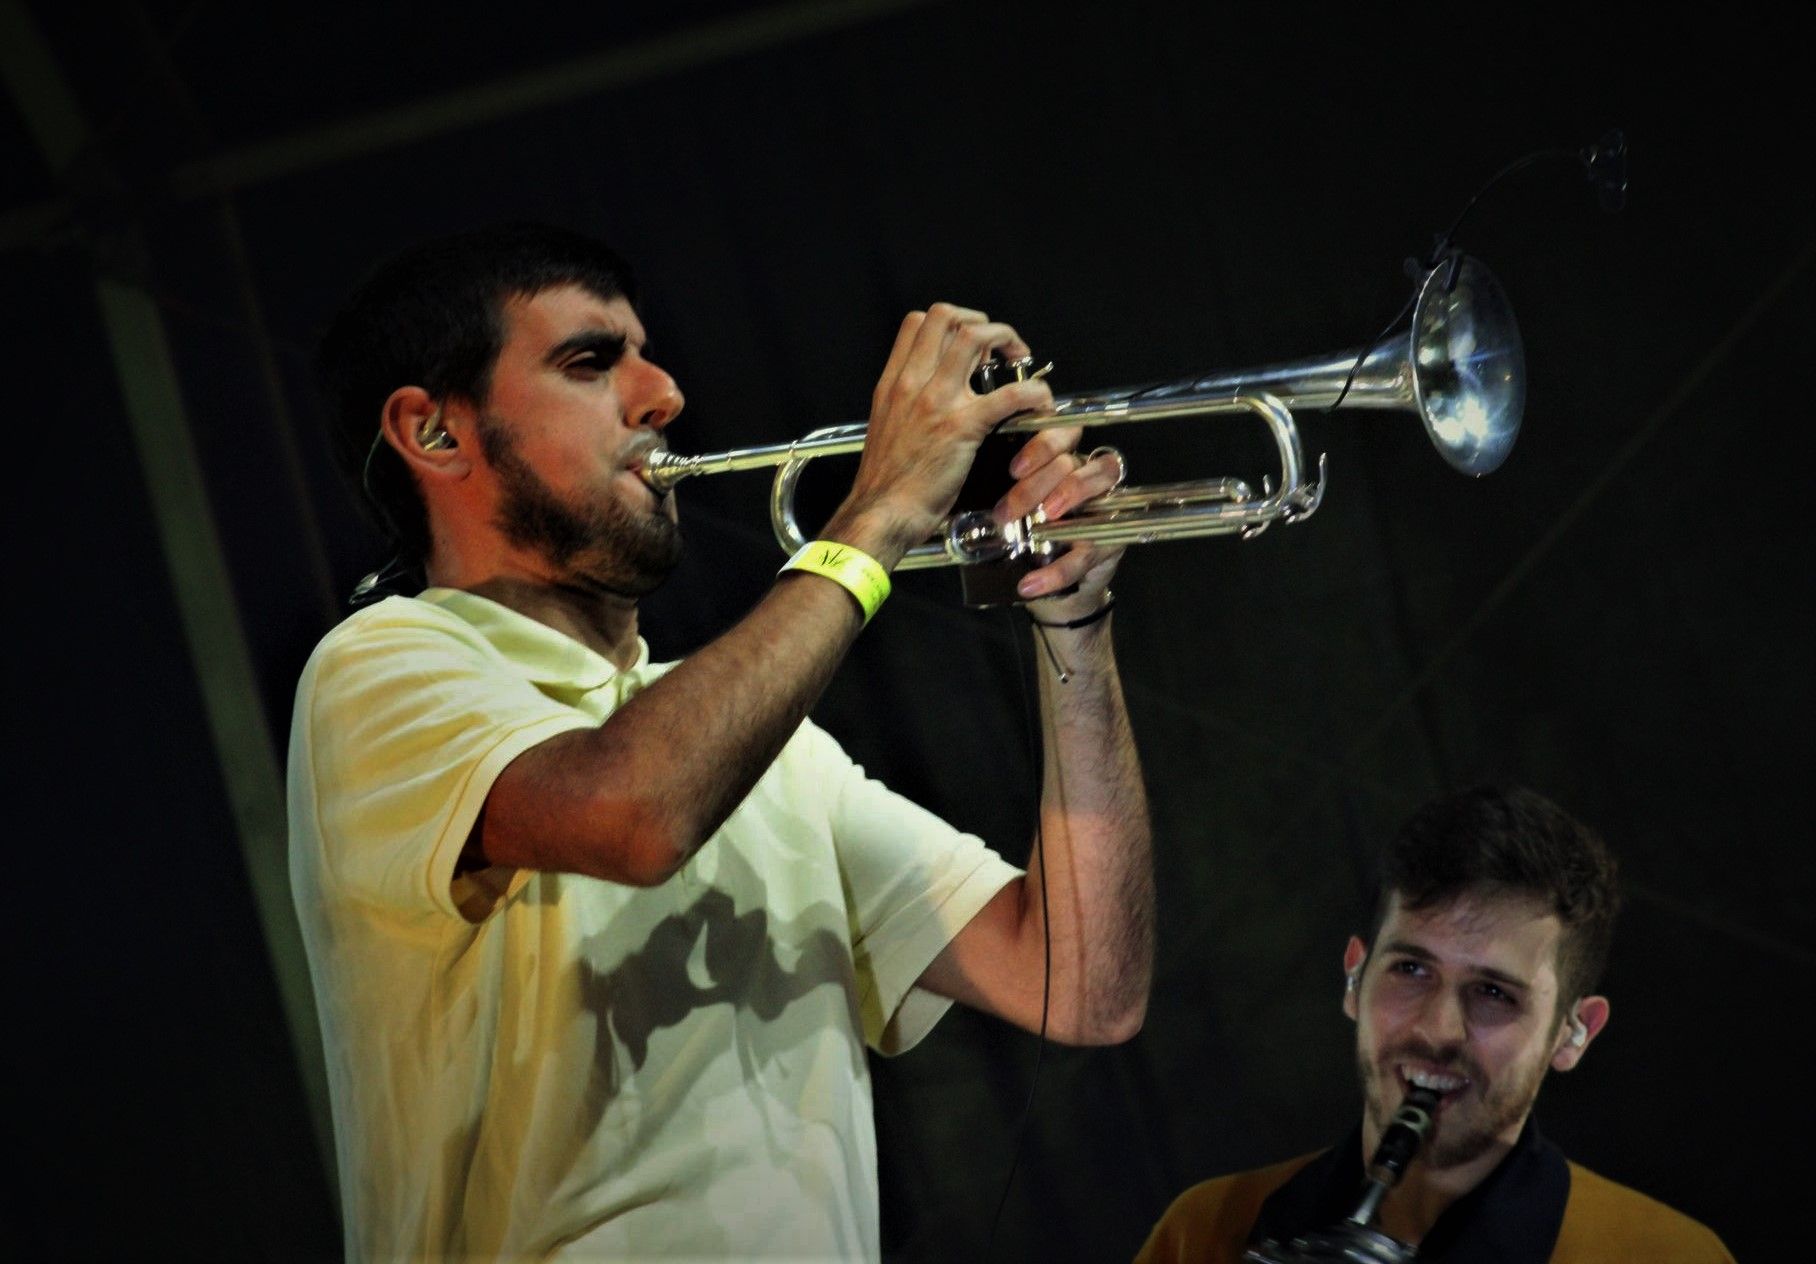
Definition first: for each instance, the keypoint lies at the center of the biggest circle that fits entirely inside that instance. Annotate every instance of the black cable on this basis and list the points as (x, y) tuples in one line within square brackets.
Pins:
[(1030, 720), (1362, 356), (1604, 166), (1518, 164), (1595, 160)]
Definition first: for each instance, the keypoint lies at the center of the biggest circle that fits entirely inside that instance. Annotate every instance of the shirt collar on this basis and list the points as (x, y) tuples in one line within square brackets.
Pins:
[(1512, 1217), (543, 655)]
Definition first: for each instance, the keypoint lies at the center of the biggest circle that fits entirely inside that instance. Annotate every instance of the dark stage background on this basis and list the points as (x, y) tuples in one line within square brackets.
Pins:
[(1620, 617)]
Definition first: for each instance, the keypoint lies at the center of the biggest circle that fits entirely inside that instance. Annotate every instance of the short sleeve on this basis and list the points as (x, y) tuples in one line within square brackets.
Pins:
[(912, 882), (405, 717)]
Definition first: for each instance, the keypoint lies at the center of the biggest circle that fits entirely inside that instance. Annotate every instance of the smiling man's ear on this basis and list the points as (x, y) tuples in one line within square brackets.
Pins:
[(1355, 956), (1587, 1018)]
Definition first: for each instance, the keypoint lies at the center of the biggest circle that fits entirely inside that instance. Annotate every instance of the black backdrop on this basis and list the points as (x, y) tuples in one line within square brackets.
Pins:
[(1147, 191)]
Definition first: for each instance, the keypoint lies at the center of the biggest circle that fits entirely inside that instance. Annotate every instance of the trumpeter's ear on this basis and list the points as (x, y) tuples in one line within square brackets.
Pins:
[(423, 434)]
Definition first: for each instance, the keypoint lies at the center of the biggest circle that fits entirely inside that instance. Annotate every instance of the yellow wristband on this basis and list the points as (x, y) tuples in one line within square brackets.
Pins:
[(852, 569)]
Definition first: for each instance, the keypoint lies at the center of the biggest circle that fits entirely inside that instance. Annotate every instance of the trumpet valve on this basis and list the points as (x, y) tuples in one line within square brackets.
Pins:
[(995, 372), (977, 537), (993, 556)]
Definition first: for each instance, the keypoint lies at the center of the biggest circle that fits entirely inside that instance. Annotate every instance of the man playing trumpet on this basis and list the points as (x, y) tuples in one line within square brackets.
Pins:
[(599, 942)]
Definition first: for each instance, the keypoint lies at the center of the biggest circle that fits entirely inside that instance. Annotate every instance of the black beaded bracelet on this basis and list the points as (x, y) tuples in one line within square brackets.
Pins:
[(1083, 620)]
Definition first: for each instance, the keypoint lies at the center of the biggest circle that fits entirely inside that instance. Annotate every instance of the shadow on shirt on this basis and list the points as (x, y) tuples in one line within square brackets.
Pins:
[(778, 990)]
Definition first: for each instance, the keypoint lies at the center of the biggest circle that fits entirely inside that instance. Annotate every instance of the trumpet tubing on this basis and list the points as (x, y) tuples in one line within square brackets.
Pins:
[(1458, 365)]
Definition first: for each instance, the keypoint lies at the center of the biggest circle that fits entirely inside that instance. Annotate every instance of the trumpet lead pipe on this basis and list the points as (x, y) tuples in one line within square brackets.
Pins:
[(662, 469)]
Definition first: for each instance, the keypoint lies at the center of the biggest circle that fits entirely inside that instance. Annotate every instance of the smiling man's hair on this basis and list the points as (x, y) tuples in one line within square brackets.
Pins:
[(1507, 842), (433, 316)]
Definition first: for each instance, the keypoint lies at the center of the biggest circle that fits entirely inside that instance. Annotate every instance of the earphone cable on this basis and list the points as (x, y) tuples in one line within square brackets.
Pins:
[(1030, 720)]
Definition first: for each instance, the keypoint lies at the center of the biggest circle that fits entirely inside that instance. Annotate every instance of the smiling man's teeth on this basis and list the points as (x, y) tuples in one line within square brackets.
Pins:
[(1432, 1080)]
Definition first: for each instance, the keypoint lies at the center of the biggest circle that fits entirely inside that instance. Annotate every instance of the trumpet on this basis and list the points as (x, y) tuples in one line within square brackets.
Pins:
[(1458, 364), (1356, 1240)]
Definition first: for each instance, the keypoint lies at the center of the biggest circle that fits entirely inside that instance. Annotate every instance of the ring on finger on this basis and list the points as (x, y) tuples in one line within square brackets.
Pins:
[(1122, 464)]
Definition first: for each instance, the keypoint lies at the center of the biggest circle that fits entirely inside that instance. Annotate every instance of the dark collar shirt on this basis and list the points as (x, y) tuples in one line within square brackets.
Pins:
[(1535, 1206)]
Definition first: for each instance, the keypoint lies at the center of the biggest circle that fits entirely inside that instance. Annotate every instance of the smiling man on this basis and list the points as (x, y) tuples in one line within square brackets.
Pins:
[(1491, 932), (598, 943)]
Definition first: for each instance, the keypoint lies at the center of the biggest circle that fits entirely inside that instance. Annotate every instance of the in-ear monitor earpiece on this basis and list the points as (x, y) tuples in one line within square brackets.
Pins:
[(432, 436)]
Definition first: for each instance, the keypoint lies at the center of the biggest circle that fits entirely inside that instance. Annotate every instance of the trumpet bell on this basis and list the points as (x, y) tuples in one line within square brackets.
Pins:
[(1459, 364), (1468, 366)]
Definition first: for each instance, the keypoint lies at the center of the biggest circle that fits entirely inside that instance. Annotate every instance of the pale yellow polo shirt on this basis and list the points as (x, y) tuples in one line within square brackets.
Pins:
[(531, 1065)]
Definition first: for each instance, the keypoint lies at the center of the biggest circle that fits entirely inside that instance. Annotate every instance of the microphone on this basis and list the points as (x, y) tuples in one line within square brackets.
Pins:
[(1605, 167)]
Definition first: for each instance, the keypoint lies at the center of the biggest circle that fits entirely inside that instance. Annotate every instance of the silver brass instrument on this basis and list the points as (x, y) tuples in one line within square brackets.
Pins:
[(1355, 1240), (1458, 364)]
